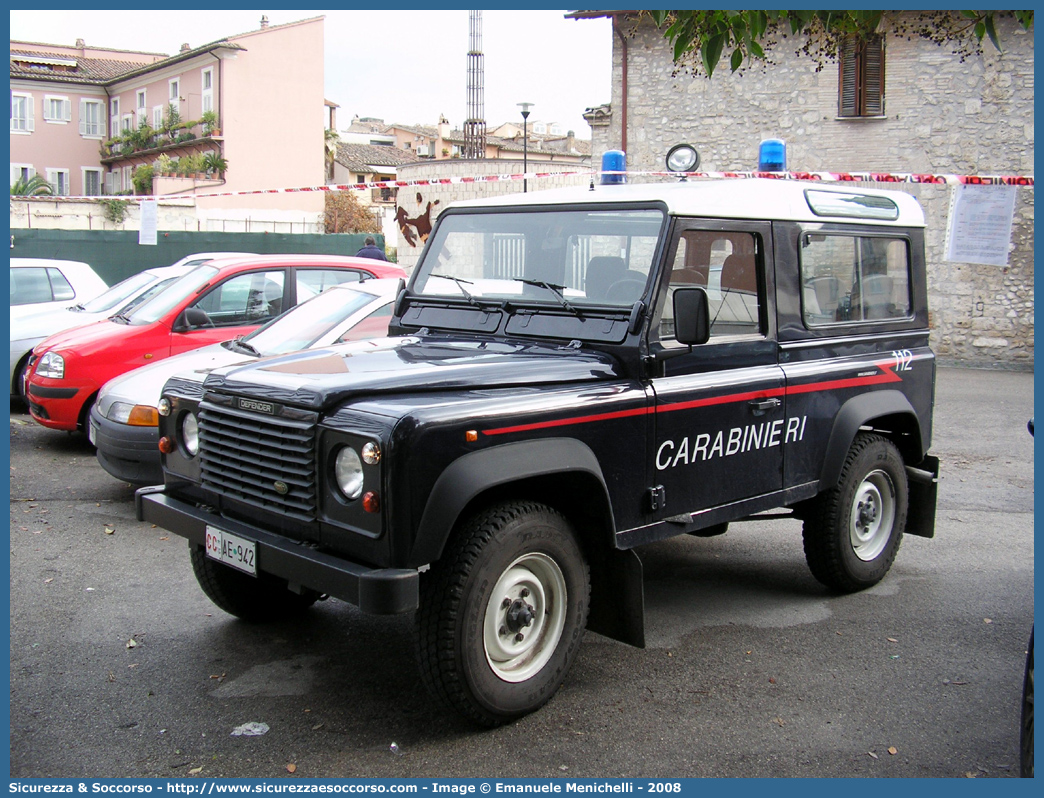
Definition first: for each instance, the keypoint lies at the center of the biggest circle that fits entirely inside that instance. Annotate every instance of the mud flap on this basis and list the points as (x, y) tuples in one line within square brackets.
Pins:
[(618, 597), (923, 480)]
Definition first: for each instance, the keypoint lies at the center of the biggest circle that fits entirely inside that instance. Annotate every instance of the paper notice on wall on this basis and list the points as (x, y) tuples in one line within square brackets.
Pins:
[(149, 219), (980, 224)]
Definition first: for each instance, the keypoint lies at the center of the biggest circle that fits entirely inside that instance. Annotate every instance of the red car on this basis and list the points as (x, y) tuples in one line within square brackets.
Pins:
[(214, 302)]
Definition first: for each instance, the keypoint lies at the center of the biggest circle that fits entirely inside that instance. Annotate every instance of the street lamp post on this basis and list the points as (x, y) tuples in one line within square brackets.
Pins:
[(525, 143)]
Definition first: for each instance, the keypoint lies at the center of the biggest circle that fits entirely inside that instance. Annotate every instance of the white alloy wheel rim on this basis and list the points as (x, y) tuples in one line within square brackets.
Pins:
[(872, 517), (525, 617)]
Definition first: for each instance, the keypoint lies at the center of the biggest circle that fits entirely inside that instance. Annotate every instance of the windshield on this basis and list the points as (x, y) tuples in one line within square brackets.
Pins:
[(161, 304), (308, 322), (564, 257), (116, 297)]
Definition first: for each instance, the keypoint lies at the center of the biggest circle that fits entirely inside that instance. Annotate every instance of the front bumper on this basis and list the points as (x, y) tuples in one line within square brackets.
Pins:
[(379, 591), (55, 403), (127, 452)]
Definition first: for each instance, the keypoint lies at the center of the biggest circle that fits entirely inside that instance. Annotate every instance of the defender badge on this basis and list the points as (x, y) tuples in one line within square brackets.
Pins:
[(281, 487)]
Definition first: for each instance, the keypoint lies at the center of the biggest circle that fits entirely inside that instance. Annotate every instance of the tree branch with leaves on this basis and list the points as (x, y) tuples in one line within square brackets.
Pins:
[(701, 38)]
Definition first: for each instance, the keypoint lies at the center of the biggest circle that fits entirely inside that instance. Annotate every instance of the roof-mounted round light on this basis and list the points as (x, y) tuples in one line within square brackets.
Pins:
[(614, 161), (683, 158), (772, 156)]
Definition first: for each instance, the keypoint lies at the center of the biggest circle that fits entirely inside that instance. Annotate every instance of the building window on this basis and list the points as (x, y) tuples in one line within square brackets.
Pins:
[(208, 89), (92, 182), (141, 111), (157, 117), (22, 113), (539, 127), (92, 118), (127, 122), (862, 78), (21, 172), (57, 109), (114, 117), (175, 90), (59, 180)]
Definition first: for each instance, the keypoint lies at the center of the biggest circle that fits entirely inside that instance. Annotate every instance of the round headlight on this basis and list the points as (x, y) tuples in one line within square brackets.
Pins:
[(683, 158), (190, 435), (164, 406), (349, 473)]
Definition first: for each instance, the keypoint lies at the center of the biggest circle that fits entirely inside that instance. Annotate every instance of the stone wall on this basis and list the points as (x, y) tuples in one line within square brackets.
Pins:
[(942, 116)]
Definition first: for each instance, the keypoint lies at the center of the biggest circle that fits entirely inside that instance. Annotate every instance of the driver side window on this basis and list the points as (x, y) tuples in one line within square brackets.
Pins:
[(726, 265), (251, 298)]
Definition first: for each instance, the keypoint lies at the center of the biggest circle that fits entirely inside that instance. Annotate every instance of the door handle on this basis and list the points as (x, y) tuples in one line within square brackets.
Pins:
[(761, 406)]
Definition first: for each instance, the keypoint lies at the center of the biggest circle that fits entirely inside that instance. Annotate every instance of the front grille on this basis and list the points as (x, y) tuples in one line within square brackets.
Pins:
[(245, 456)]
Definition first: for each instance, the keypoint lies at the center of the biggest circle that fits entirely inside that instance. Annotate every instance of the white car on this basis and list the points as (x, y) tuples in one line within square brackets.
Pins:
[(32, 326), (124, 420), (43, 283)]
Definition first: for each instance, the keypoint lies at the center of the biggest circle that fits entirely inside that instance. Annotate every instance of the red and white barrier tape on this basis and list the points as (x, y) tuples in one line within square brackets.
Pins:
[(1024, 181)]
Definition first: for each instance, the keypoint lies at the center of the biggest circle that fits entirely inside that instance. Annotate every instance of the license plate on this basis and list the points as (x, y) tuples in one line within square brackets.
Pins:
[(232, 550)]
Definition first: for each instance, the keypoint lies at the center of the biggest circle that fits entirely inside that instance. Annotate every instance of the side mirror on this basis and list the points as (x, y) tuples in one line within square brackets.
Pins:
[(691, 315), (191, 318)]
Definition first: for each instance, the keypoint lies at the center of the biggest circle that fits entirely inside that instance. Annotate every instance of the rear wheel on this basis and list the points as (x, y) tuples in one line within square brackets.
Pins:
[(852, 532), (258, 599), (20, 373), (503, 613)]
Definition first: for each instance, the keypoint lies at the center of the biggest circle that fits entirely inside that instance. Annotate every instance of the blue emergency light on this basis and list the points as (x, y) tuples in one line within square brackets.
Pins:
[(614, 161), (772, 156)]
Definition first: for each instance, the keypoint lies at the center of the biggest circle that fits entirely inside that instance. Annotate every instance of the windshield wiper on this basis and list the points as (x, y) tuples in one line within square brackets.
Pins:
[(120, 318), (554, 289), (460, 284), (76, 308), (240, 345)]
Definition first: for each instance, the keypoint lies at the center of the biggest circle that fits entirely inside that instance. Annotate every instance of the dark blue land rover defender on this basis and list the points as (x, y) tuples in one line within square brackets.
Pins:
[(574, 373)]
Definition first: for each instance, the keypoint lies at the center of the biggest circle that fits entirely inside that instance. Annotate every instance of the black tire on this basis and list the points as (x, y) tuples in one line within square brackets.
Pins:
[(19, 385), (512, 563), (852, 532), (256, 599), (1026, 734)]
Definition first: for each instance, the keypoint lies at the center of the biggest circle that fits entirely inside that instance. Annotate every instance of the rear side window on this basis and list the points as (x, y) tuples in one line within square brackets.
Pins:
[(29, 285), (852, 279), (311, 282), (60, 287)]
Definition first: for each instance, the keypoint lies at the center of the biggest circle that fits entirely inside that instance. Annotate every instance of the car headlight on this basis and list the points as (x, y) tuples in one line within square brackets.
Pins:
[(52, 366), (349, 473), (134, 415), (190, 434)]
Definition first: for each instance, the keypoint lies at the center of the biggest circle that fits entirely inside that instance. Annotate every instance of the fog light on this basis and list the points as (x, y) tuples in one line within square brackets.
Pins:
[(166, 445), (371, 502)]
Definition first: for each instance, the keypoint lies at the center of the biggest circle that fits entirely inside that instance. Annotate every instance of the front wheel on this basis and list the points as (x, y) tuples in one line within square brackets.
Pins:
[(503, 613), (258, 599), (853, 531)]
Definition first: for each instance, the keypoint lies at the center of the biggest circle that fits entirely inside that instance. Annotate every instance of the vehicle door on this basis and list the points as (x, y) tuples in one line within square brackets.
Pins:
[(232, 307), (719, 424)]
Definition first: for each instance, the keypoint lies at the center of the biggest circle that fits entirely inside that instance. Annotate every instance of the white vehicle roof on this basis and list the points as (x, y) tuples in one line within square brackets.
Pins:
[(738, 198)]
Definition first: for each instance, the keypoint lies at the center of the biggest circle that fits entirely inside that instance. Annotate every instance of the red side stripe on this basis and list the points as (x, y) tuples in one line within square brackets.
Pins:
[(886, 375)]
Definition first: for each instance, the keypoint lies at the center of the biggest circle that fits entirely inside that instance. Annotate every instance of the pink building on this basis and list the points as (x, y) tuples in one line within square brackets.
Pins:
[(86, 118)]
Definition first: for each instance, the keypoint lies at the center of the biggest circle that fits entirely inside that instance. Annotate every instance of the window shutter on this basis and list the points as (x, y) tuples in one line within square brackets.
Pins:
[(67, 110), (83, 117), (873, 72), (849, 94)]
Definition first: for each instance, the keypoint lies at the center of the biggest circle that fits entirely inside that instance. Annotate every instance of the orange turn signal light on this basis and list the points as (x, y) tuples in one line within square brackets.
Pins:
[(371, 502), (166, 445)]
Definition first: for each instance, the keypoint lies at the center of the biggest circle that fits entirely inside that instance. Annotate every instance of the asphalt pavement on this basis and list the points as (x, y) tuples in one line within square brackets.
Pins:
[(120, 666)]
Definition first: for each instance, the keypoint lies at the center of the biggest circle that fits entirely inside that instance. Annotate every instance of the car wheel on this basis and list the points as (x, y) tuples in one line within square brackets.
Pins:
[(853, 531), (503, 613), (258, 599), (20, 375)]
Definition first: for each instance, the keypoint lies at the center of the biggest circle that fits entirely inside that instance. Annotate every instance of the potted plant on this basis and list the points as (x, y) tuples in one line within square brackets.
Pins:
[(213, 163), (209, 120), (142, 179), (165, 165), (171, 121)]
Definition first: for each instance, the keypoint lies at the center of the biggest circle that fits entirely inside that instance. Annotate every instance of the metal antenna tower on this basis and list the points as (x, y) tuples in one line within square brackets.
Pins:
[(475, 125)]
